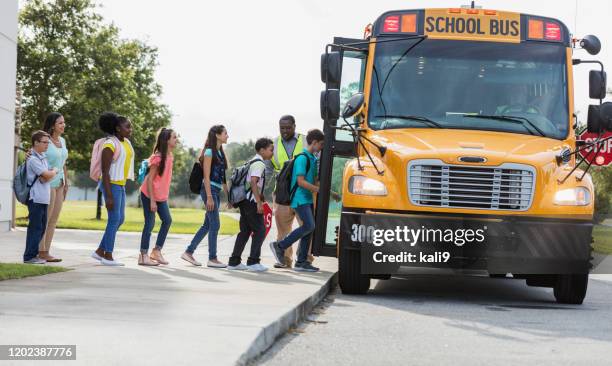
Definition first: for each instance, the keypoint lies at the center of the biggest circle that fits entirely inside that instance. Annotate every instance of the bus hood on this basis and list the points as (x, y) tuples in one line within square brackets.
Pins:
[(449, 145)]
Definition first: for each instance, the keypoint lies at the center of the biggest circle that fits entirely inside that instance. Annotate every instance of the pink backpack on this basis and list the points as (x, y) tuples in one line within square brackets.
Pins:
[(95, 165)]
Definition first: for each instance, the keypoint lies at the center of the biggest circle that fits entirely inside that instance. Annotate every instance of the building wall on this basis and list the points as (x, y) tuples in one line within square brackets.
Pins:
[(8, 67)]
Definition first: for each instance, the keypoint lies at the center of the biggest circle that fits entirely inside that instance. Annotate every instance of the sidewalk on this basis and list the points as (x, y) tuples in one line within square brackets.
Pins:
[(167, 315)]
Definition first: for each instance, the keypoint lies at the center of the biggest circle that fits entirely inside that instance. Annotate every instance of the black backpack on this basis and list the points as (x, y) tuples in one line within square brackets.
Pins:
[(195, 178), (237, 190), (284, 191)]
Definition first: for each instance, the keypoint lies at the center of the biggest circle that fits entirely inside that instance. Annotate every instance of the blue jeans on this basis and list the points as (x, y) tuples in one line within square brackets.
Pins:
[(37, 223), (116, 217), (149, 222), (211, 225), (302, 233)]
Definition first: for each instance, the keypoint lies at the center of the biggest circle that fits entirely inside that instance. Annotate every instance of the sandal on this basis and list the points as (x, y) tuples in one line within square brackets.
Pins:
[(158, 257), (144, 260)]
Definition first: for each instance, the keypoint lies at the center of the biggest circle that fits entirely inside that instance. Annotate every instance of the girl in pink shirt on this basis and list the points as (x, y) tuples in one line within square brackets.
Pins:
[(154, 196)]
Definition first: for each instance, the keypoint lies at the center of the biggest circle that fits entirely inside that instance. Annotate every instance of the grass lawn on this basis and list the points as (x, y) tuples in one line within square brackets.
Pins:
[(603, 239), (81, 215), (9, 271)]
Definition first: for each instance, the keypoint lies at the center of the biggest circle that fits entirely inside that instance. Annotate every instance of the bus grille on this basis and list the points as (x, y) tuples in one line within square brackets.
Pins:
[(437, 184)]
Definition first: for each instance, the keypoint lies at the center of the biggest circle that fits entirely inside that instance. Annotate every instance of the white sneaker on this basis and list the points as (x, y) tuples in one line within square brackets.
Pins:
[(112, 263), (212, 264), (257, 267), (95, 256), (35, 260), (239, 267)]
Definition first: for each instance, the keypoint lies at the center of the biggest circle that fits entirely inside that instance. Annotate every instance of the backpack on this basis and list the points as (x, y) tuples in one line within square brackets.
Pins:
[(195, 178), (238, 191), (284, 192), (143, 171), (20, 184), (95, 164)]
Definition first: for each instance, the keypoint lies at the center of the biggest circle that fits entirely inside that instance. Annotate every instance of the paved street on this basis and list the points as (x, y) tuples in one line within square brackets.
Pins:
[(441, 320), (167, 315)]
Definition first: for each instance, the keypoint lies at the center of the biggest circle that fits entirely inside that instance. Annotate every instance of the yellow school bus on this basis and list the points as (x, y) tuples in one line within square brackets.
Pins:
[(452, 136)]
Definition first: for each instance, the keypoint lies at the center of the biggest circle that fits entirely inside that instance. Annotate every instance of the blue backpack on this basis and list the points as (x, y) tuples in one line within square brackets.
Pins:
[(20, 184), (143, 171)]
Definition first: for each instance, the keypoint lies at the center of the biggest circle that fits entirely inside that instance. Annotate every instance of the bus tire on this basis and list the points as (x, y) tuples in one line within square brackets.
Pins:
[(350, 279), (571, 288)]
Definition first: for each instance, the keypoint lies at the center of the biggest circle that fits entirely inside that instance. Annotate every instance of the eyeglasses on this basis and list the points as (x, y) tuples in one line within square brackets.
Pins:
[(44, 142)]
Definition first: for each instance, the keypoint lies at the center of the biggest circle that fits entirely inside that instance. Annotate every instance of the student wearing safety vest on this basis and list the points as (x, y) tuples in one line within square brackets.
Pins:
[(286, 146)]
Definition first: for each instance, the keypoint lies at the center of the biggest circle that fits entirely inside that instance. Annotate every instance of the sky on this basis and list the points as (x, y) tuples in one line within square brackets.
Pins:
[(246, 63)]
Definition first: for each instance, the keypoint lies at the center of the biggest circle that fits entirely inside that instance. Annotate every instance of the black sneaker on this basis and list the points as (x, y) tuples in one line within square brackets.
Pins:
[(279, 254), (305, 267)]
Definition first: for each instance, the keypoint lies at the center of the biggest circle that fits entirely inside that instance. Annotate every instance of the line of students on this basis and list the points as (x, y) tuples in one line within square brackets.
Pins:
[(116, 162)]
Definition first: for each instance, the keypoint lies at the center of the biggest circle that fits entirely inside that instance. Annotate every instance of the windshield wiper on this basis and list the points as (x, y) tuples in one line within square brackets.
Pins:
[(408, 117), (512, 119)]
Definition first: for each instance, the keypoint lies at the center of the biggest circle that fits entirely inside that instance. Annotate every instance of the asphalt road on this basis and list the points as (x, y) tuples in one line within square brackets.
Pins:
[(444, 320)]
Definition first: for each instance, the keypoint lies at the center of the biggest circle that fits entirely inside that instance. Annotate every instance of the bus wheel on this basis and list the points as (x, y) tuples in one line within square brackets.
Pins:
[(351, 281), (571, 288)]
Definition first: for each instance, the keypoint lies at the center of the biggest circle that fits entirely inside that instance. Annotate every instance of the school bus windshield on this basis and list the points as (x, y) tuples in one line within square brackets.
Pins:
[(448, 82)]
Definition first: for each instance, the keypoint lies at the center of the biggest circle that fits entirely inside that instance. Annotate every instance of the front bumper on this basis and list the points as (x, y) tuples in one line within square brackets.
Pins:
[(518, 245)]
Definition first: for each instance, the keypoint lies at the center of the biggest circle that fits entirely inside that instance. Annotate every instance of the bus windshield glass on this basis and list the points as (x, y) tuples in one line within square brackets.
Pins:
[(516, 88)]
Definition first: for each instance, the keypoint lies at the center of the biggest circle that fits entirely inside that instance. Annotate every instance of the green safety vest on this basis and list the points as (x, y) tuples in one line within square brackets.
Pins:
[(280, 154)]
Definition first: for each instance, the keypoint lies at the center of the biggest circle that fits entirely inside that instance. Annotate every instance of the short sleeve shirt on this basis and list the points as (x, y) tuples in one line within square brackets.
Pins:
[(40, 191), (129, 153), (303, 196), (161, 183), (257, 169)]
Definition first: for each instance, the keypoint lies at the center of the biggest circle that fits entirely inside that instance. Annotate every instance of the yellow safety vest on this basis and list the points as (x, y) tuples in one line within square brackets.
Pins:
[(280, 154)]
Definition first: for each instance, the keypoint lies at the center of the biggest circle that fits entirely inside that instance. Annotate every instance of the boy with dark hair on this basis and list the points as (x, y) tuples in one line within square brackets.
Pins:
[(305, 177), (251, 211), (39, 176)]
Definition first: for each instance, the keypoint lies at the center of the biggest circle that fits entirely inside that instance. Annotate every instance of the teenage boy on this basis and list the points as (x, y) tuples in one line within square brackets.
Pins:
[(39, 177), (305, 177), (251, 211)]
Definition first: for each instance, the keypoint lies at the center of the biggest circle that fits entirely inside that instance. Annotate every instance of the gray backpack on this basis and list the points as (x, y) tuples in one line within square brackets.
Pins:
[(20, 184), (238, 190)]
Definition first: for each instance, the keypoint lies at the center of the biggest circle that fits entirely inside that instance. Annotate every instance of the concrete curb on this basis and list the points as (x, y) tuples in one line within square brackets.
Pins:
[(269, 334)]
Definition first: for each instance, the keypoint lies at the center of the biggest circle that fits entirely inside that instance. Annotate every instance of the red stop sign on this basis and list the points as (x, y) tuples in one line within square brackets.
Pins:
[(602, 155)]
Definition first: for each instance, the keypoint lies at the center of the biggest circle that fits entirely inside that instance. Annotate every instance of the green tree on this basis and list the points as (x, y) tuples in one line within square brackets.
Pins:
[(70, 61), (602, 179), (184, 158), (239, 152)]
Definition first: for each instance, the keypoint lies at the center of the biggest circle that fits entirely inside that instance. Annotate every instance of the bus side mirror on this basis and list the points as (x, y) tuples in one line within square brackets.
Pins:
[(594, 119), (600, 118), (330, 104), (331, 69), (597, 84), (591, 44), (353, 106), (605, 115)]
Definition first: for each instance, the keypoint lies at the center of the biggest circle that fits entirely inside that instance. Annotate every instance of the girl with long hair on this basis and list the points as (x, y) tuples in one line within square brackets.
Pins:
[(57, 155), (214, 163), (154, 194)]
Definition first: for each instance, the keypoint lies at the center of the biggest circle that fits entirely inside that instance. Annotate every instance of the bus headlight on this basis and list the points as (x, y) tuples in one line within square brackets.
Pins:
[(578, 196), (359, 184)]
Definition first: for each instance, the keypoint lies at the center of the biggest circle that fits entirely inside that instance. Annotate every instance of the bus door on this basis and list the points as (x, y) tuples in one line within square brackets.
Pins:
[(343, 76)]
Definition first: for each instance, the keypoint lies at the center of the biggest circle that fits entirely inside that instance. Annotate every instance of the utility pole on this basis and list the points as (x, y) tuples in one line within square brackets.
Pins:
[(17, 146)]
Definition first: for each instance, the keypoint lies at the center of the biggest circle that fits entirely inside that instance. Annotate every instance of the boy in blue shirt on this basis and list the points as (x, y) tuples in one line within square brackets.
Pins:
[(39, 177), (305, 177)]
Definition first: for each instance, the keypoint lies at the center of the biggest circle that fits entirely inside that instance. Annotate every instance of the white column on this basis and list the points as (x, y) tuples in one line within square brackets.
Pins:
[(8, 68)]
